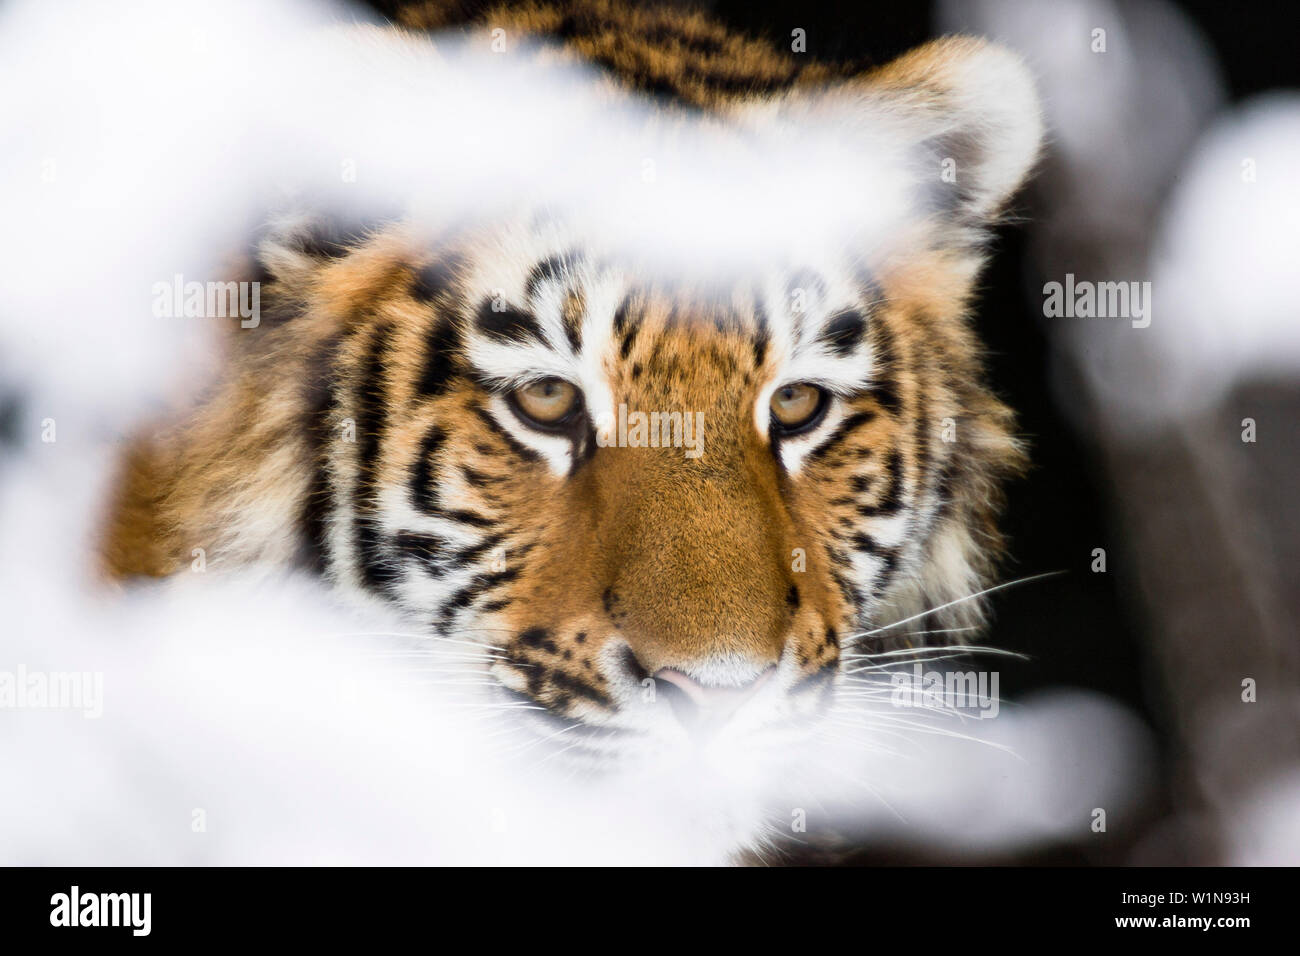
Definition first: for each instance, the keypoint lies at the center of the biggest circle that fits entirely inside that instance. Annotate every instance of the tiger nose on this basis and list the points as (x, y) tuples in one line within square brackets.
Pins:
[(700, 708)]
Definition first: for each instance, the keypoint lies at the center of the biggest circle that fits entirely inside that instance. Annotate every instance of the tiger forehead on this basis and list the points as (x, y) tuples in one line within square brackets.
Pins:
[(565, 299)]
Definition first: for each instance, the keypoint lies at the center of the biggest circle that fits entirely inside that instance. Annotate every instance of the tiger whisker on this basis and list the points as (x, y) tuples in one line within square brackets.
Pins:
[(942, 732), (904, 652), (969, 597)]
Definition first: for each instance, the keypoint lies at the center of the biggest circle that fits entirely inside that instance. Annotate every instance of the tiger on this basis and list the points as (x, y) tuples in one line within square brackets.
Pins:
[(665, 508)]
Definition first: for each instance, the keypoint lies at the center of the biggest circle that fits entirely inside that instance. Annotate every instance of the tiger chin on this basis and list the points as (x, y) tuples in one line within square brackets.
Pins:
[(669, 512)]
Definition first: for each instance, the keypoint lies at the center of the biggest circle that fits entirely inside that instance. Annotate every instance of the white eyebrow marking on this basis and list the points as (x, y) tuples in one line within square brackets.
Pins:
[(797, 351)]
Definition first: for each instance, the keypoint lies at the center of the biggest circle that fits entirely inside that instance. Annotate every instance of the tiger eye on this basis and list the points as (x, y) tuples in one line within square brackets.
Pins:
[(795, 405), (548, 401)]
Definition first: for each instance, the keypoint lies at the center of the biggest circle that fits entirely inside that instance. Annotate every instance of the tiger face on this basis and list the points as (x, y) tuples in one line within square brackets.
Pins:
[(638, 490), (667, 508)]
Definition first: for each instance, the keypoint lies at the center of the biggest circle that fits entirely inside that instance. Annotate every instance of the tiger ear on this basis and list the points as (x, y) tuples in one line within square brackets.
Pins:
[(295, 244), (970, 108), (292, 248)]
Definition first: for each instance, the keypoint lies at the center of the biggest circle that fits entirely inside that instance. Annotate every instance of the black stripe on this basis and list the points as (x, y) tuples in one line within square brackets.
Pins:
[(507, 324), (890, 558), (629, 339), (436, 555), (943, 490), (677, 81), (371, 400), (429, 550), (922, 439), (435, 280), (426, 499), (762, 336), (319, 405), (843, 331), (846, 427), (884, 387), (460, 516), (624, 329), (441, 358), (478, 479), (670, 35), (538, 637), (576, 687), (621, 316), (572, 321), (866, 544), (475, 551), (892, 499), (467, 595), (861, 484), (334, 236), (550, 269), (847, 589), (520, 449), (424, 495)]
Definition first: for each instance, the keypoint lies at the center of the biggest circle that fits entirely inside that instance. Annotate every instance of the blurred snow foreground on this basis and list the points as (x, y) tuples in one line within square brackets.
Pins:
[(250, 718)]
